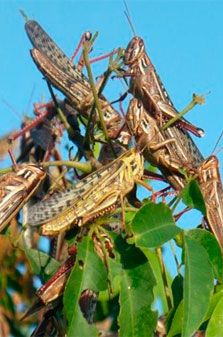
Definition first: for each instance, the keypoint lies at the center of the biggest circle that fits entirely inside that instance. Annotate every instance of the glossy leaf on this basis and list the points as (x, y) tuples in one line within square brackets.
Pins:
[(88, 273), (177, 290), (174, 319), (198, 285), (136, 295), (176, 324), (159, 289), (192, 196), (214, 301), (153, 225), (208, 241), (41, 262), (215, 325)]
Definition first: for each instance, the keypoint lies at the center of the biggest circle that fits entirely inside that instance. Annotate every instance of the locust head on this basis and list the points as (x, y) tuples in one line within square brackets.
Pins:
[(31, 174), (137, 118), (134, 50)]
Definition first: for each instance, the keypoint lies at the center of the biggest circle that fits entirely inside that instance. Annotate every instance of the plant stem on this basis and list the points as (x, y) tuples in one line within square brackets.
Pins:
[(164, 277), (195, 100), (172, 247), (113, 66), (96, 99), (84, 167), (6, 170), (60, 113)]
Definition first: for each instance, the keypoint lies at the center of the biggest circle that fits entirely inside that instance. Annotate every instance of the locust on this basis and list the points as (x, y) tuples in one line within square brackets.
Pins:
[(146, 85), (74, 90), (54, 287), (212, 190), (171, 150), (16, 188), (177, 162), (59, 71), (94, 196), (45, 44), (45, 129)]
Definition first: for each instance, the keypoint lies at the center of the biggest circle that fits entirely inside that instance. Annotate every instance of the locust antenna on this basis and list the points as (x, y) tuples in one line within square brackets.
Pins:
[(218, 141), (10, 107), (128, 16), (25, 17), (30, 98)]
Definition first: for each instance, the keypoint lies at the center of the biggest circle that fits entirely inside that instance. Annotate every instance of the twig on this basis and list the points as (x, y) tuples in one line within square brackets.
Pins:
[(195, 100), (84, 167)]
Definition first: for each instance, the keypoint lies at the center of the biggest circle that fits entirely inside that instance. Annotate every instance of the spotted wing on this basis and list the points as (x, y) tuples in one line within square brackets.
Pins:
[(59, 202), (43, 42)]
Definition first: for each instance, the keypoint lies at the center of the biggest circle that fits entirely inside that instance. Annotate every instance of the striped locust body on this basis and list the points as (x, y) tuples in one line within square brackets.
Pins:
[(146, 85), (43, 42), (16, 188), (53, 288), (97, 194), (171, 150), (79, 95), (177, 162), (212, 190), (58, 70)]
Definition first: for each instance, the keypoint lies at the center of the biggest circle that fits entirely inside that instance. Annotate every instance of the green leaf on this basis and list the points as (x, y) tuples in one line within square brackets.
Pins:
[(88, 273), (192, 196), (198, 285), (214, 301), (176, 325), (159, 290), (208, 241), (153, 225), (136, 295), (41, 262), (215, 325), (177, 290), (97, 149), (129, 215), (174, 321)]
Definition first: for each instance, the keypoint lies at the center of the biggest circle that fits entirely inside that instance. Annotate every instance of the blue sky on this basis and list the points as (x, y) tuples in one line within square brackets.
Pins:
[(183, 38)]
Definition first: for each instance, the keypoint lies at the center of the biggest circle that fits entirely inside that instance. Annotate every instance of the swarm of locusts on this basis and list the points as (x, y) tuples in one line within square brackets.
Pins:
[(89, 194)]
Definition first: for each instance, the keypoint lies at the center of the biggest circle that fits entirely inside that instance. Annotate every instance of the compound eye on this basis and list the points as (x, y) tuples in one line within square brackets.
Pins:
[(141, 43), (146, 126), (139, 105), (26, 174)]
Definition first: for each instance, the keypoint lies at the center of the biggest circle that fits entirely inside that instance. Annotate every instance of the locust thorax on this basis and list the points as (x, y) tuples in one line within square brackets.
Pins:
[(140, 123), (135, 162)]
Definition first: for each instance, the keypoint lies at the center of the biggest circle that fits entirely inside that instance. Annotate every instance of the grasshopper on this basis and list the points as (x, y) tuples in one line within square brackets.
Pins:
[(146, 85), (97, 194), (16, 188), (59, 71), (77, 93), (212, 190), (53, 288), (43, 128), (43, 42), (171, 149), (51, 292), (173, 159)]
